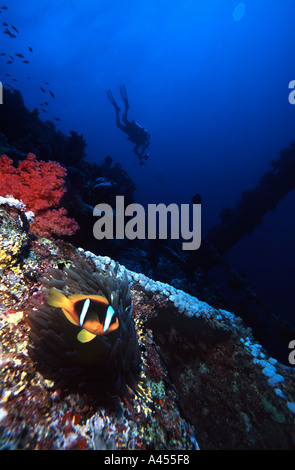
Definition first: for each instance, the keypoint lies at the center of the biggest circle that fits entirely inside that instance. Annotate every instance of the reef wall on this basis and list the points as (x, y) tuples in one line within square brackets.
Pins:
[(206, 382)]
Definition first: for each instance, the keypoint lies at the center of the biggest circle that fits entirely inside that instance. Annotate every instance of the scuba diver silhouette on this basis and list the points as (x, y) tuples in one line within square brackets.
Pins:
[(136, 133)]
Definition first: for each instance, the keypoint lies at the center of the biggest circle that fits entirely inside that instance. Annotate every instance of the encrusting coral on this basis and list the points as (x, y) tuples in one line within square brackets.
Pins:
[(13, 238)]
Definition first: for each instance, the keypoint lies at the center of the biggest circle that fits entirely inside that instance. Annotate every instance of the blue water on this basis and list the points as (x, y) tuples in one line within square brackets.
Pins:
[(208, 79)]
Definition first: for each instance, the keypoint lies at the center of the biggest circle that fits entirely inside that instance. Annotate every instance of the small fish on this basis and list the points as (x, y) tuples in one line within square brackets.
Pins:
[(14, 79), (2, 53), (10, 34), (44, 110), (15, 29), (20, 55), (57, 118), (30, 49), (51, 94), (9, 62), (4, 7), (5, 24), (45, 102), (92, 313), (8, 75), (29, 78), (42, 89), (25, 62), (46, 83)]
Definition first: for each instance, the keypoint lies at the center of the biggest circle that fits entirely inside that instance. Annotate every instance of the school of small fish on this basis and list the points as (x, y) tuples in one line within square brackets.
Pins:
[(12, 31)]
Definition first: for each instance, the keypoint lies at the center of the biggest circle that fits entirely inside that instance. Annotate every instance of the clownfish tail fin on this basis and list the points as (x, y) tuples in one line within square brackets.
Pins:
[(57, 299)]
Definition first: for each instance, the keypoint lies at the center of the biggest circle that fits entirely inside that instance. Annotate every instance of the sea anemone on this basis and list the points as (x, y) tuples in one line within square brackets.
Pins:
[(110, 363)]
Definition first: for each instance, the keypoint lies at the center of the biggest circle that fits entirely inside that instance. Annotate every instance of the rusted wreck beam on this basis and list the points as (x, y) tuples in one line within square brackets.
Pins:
[(274, 185)]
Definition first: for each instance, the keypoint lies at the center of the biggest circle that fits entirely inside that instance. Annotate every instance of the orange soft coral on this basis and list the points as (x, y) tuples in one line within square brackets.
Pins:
[(40, 186)]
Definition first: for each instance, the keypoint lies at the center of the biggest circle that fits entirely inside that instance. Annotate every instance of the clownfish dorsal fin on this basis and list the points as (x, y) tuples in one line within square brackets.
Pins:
[(85, 336), (75, 297)]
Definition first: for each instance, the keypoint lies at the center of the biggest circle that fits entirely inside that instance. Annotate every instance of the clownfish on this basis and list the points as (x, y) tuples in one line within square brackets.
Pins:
[(92, 313)]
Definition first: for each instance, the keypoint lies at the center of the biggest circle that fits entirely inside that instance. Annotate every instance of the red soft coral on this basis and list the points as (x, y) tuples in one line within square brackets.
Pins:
[(40, 185)]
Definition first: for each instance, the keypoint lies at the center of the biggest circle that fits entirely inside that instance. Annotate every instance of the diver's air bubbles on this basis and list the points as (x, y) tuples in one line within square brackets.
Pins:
[(239, 11)]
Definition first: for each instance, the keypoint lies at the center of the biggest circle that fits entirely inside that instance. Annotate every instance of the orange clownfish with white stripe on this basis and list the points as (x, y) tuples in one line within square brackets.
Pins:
[(92, 313)]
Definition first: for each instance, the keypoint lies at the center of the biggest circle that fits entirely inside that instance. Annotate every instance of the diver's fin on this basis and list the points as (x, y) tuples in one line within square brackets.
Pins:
[(123, 92), (84, 336), (124, 95), (112, 100)]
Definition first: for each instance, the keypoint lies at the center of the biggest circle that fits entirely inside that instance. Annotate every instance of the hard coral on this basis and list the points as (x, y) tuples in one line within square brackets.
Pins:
[(13, 239), (40, 185)]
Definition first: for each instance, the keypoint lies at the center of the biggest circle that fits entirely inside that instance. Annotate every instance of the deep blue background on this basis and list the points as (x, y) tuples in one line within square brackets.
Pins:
[(210, 86)]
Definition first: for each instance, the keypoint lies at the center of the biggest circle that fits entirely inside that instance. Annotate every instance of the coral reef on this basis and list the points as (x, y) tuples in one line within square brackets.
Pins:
[(86, 183), (13, 235), (40, 186), (28, 133), (206, 382)]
